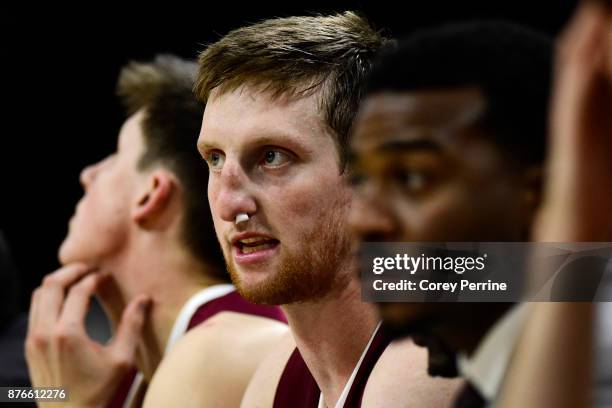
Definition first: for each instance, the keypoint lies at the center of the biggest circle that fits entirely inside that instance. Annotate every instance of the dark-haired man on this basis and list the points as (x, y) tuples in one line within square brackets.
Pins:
[(143, 240), (448, 148)]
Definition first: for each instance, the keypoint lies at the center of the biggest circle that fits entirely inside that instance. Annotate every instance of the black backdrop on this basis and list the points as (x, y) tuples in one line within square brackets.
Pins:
[(60, 64)]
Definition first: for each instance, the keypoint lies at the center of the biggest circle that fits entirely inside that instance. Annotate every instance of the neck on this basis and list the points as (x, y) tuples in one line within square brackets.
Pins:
[(169, 276), (331, 334)]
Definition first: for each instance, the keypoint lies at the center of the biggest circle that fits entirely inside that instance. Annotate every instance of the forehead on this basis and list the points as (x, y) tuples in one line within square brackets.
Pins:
[(441, 116), (245, 111)]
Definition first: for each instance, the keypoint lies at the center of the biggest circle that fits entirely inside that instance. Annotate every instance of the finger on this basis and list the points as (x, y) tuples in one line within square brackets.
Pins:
[(584, 39), (577, 69), (590, 42), (33, 305), (67, 275), (77, 302), (50, 296), (578, 29), (33, 342), (130, 328), (579, 57), (34, 346)]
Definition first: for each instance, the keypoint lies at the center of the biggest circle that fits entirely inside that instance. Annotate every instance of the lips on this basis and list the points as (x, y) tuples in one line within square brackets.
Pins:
[(253, 247), (254, 244)]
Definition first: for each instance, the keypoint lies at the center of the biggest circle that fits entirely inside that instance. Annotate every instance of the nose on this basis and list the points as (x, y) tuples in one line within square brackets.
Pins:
[(370, 219), (88, 174), (230, 193)]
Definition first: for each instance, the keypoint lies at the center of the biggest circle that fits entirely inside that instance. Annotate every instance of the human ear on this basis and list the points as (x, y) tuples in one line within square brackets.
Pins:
[(152, 202)]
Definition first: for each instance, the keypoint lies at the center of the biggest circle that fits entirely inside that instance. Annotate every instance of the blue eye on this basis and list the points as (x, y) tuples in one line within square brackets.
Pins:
[(275, 158), (215, 160)]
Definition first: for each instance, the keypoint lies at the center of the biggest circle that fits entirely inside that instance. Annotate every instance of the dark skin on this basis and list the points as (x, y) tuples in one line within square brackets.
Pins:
[(426, 170)]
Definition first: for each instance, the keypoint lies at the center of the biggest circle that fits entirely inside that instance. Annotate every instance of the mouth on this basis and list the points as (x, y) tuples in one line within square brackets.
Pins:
[(250, 248), (252, 245)]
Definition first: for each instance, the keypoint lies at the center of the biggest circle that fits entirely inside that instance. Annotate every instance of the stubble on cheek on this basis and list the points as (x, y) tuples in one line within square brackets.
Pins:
[(310, 269)]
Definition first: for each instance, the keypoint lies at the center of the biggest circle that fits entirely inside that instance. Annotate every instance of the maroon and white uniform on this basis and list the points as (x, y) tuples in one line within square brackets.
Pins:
[(200, 307), (297, 388)]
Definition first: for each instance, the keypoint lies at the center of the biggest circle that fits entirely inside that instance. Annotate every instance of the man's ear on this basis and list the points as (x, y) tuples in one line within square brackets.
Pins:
[(155, 198)]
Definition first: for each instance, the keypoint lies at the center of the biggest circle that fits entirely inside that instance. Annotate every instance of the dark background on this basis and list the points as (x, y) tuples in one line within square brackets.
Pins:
[(60, 64)]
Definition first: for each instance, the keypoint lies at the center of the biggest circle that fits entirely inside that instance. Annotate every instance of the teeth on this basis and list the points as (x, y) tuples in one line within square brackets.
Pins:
[(251, 240), (251, 249)]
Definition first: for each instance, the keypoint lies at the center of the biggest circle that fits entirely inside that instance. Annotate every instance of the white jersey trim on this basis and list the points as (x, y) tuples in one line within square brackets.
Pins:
[(349, 383), (180, 327)]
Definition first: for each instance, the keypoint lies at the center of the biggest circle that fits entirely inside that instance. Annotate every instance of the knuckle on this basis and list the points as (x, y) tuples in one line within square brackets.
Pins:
[(35, 294), (29, 348), (63, 335), (35, 342), (50, 280)]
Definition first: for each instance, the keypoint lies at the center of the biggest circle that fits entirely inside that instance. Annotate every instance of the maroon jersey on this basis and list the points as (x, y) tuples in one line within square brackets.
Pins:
[(298, 389), (231, 302)]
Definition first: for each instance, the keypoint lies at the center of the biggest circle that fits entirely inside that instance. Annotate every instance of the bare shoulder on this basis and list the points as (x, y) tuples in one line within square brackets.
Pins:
[(400, 379), (262, 388), (213, 363)]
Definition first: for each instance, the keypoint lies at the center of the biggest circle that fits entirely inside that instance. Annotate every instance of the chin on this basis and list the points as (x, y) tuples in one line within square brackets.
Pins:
[(260, 287), (68, 251), (250, 284), (65, 254), (252, 275), (71, 252)]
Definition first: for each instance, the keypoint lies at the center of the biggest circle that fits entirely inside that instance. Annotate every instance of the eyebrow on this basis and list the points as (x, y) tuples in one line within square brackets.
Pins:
[(272, 138), (202, 146), (276, 138), (399, 146)]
